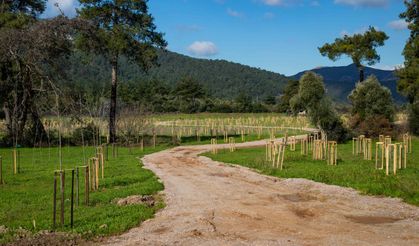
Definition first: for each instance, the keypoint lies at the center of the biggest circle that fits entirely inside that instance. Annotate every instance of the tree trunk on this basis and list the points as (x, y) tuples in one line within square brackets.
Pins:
[(112, 113), (361, 73), (37, 125)]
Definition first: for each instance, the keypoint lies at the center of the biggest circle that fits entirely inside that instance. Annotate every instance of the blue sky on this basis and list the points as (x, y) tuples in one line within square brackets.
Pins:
[(276, 35)]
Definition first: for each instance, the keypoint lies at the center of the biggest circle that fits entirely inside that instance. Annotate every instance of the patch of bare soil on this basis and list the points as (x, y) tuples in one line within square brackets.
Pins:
[(50, 238), (135, 200), (209, 203)]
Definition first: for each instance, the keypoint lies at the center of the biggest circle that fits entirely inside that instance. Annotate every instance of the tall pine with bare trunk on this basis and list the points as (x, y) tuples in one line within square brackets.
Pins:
[(122, 28), (361, 48)]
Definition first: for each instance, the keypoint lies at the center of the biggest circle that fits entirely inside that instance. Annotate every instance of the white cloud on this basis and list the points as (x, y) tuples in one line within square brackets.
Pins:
[(363, 3), (203, 48), (398, 25), (234, 13)]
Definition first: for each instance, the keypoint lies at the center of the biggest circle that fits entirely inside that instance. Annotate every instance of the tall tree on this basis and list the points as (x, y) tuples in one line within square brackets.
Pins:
[(29, 48), (409, 74), (123, 27), (361, 48), (408, 84)]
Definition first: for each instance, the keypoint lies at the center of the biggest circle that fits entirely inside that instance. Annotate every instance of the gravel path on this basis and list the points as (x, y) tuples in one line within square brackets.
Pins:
[(211, 203)]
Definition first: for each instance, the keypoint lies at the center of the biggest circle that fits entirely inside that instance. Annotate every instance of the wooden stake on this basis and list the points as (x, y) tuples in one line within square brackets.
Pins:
[(86, 186), (77, 187), (97, 173), (72, 199), (332, 153), (367, 148), (54, 203), (14, 161), (379, 146), (214, 146), (62, 185)]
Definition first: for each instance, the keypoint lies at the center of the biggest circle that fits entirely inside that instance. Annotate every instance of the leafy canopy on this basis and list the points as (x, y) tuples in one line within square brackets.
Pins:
[(18, 13), (370, 99), (408, 84), (312, 97), (359, 47), (123, 27)]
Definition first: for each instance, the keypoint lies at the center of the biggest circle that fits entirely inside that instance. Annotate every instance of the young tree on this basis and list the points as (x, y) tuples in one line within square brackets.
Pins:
[(123, 27), (188, 92), (370, 98), (290, 90), (359, 47), (312, 98), (408, 84), (243, 103), (372, 108)]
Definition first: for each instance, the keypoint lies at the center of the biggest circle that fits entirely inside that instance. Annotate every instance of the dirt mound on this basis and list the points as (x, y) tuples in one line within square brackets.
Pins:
[(135, 200)]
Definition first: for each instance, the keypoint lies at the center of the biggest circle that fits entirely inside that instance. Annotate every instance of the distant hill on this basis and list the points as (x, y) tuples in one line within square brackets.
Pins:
[(221, 78), (340, 81)]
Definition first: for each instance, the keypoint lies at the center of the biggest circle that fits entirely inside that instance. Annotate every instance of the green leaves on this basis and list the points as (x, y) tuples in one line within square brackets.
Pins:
[(360, 47), (370, 99), (122, 27)]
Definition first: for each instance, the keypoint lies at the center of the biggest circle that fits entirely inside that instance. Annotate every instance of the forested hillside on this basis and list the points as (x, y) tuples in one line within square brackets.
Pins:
[(221, 79)]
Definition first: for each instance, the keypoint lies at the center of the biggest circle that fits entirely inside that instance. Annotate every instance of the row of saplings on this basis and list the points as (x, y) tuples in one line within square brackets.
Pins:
[(390, 154)]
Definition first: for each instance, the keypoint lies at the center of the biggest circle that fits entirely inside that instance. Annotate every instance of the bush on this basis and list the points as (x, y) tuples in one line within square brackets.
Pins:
[(370, 99), (414, 118), (86, 133), (373, 110), (372, 126)]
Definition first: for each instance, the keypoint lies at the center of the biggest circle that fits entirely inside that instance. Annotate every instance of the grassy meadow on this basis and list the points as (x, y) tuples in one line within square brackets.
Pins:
[(26, 199), (351, 171)]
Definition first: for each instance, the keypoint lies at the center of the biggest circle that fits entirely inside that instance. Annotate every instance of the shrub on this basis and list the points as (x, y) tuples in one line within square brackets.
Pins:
[(372, 126), (371, 99), (86, 133), (311, 97)]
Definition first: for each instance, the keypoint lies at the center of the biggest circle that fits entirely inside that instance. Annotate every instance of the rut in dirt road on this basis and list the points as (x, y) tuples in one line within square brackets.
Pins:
[(210, 203)]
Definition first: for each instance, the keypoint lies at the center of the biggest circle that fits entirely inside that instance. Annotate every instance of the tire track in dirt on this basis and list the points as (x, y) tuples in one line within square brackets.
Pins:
[(211, 203)]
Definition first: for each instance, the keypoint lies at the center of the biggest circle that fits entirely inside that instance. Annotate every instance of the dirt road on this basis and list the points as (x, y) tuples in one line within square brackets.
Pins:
[(210, 203)]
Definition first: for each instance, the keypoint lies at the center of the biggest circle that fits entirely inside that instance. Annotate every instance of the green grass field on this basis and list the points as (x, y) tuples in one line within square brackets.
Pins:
[(26, 199), (351, 171)]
